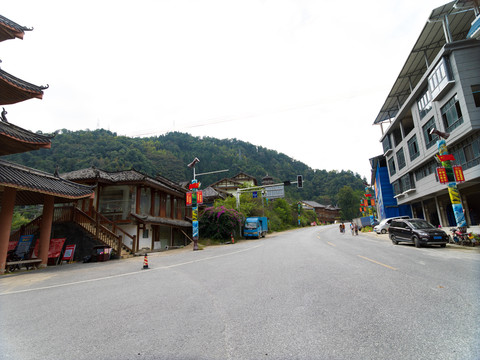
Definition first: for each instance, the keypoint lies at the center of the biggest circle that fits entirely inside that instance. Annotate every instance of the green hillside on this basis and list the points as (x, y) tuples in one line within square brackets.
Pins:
[(169, 154)]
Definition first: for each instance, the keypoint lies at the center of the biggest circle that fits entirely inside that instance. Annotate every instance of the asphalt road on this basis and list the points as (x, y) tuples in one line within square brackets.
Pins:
[(305, 294)]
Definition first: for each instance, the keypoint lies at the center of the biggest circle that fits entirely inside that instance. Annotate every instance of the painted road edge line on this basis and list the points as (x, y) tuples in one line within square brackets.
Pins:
[(378, 263), (144, 271)]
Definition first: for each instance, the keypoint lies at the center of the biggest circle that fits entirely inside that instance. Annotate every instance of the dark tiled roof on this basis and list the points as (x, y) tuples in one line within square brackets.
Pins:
[(14, 139), (14, 90), (10, 29), (313, 204), (32, 185), (93, 174)]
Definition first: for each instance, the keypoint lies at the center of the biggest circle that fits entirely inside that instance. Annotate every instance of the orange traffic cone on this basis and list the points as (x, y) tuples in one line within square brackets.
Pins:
[(233, 240), (145, 262)]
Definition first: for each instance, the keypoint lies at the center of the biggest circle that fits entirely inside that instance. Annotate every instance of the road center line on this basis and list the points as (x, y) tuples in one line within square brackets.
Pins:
[(331, 244), (376, 262), (128, 274)]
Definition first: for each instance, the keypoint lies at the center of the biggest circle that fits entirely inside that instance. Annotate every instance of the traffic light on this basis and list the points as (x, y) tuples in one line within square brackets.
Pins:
[(299, 181)]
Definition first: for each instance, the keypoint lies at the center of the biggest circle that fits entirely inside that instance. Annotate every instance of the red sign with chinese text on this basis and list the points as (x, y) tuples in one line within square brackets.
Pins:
[(199, 197), (189, 199), (458, 171), (442, 175)]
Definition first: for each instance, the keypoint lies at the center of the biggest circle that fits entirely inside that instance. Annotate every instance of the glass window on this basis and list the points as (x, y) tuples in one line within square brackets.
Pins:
[(397, 190), (391, 166), (452, 114), (145, 201), (406, 183), (157, 204), (439, 78), (401, 159), (476, 94), (413, 147), (430, 139), (169, 207), (386, 143), (424, 103)]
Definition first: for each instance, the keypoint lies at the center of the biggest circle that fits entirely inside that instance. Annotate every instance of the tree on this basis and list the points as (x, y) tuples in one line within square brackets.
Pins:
[(349, 202)]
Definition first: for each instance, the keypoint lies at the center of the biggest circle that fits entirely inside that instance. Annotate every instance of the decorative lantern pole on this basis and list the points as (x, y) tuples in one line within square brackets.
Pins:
[(450, 175), (195, 198)]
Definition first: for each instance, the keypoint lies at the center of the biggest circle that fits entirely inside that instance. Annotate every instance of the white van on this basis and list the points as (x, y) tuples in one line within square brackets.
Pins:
[(382, 228)]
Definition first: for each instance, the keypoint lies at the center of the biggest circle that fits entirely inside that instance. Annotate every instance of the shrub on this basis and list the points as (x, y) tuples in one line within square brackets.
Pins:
[(219, 222)]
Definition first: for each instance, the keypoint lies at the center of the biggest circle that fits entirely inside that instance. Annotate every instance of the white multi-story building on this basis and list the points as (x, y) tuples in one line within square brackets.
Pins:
[(438, 87)]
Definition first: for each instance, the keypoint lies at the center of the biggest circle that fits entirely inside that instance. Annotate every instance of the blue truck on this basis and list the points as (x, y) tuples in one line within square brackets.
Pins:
[(255, 227)]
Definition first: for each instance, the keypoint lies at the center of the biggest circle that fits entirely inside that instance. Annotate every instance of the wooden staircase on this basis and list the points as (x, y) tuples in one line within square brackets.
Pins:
[(98, 227)]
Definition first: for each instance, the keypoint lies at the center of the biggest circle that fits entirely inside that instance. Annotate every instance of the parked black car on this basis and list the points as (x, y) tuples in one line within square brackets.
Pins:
[(416, 231)]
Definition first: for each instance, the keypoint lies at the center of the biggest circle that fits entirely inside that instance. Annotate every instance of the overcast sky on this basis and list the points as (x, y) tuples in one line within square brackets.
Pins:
[(305, 78)]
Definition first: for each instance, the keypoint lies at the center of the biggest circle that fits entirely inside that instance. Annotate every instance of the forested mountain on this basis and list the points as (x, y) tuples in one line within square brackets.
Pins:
[(169, 154)]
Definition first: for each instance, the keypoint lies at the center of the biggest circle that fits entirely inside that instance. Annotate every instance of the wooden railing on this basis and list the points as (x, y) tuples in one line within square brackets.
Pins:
[(28, 229), (115, 228), (93, 226)]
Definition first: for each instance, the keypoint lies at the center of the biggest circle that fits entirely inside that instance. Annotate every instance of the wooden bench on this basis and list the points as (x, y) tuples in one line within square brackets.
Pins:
[(34, 263)]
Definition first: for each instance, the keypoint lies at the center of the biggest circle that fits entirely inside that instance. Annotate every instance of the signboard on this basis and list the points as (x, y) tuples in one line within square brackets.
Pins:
[(254, 195), (199, 197), (442, 175), (69, 252), (189, 199), (458, 171), (23, 246), (275, 192), (54, 249)]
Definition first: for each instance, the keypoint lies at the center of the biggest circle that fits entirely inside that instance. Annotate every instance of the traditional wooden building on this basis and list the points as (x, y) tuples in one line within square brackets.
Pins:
[(149, 212), (230, 185), (326, 214), (20, 185)]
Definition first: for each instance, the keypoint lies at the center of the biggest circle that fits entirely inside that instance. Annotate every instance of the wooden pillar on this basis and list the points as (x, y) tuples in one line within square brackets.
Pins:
[(6, 216), (46, 229)]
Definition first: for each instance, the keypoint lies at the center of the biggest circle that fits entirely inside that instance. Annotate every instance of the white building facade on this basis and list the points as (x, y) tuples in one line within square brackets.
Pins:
[(438, 87)]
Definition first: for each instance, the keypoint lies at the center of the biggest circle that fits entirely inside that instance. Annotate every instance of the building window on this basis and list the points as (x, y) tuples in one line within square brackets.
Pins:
[(401, 159), (397, 189), (452, 114), (426, 170), (413, 148), (168, 212), (145, 201), (476, 94), (430, 139), (406, 183), (391, 166), (424, 104), (386, 143), (439, 77), (467, 153)]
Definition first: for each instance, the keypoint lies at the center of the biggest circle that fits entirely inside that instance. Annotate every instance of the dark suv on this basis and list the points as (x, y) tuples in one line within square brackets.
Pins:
[(416, 231)]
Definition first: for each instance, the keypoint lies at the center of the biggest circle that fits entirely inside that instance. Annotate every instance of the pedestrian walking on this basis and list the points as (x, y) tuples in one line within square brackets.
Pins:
[(352, 229), (356, 229)]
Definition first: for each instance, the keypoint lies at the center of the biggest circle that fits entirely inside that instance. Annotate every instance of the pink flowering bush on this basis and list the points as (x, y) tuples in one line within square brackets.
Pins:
[(219, 222)]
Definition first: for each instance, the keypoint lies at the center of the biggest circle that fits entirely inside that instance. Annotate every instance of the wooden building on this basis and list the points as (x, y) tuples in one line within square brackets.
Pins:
[(326, 214), (20, 185), (149, 212), (230, 185)]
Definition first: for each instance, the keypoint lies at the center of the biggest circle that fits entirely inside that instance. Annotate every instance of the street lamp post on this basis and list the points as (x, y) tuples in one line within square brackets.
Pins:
[(194, 186), (450, 179)]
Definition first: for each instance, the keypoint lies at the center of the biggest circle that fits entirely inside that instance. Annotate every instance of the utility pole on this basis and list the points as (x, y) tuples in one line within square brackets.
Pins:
[(196, 199), (450, 175)]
